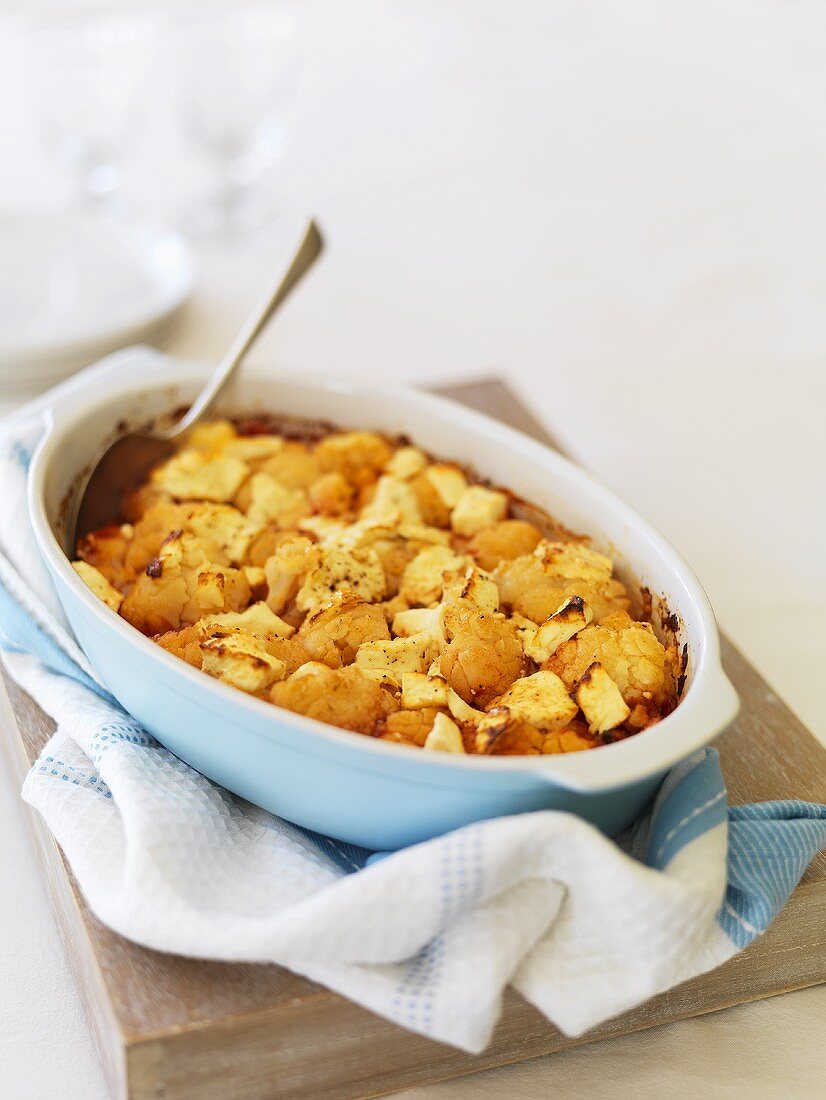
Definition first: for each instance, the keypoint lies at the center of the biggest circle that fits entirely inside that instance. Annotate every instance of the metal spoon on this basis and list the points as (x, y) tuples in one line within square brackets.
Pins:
[(129, 459)]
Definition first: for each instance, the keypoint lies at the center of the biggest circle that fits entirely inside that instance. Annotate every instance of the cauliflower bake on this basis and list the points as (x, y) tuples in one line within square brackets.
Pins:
[(353, 579)]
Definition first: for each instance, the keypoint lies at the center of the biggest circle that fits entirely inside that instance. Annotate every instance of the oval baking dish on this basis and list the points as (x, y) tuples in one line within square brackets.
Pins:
[(359, 789)]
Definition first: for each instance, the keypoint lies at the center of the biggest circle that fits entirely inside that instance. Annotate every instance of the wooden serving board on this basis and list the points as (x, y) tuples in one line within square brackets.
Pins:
[(180, 1029)]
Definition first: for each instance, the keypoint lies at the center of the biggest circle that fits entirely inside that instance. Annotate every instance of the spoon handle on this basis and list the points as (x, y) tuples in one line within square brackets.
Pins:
[(308, 251)]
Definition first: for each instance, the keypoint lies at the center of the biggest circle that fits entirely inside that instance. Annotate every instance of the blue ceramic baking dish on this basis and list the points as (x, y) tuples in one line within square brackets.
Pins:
[(345, 785)]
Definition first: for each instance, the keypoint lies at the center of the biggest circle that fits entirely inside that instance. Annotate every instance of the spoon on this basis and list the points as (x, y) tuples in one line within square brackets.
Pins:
[(127, 461)]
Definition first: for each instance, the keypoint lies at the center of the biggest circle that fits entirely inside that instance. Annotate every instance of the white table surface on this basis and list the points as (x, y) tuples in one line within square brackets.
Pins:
[(622, 210)]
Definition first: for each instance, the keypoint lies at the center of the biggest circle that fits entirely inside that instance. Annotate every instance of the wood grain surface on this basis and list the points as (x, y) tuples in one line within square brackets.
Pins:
[(184, 1029)]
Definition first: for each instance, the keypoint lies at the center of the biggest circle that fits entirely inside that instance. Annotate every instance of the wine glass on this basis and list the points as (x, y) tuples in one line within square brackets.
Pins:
[(236, 75), (86, 72)]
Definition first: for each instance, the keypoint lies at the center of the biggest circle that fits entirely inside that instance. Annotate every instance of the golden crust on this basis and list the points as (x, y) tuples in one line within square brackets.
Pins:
[(508, 539), (363, 584), (482, 656), (341, 697)]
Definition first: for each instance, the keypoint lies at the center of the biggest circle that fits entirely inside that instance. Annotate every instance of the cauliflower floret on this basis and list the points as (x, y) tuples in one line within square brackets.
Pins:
[(630, 654), (387, 661), (473, 586), (445, 736), (254, 449), (270, 502), (393, 498), (572, 738), (566, 621), (359, 456), (324, 528), (600, 700), (342, 697), (241, 659), (183, 584), (526, 586), (256, 619), (158, 521), (193, 474), (358, 571), (294, 466), (483, 655), (295, 556), (406, 463), (477, 508), (334, 632), (541, 699), (332, 494), (290, 651), (508, 539), (423, 579), (408, 727), (212, 436), (395, 555), (185, 643), (96, 581), (108, 552), (222, 524)]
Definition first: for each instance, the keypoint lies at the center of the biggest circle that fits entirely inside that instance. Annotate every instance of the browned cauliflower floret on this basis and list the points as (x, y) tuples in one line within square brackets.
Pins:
[(108, 551), (629, 652), (157, 522), (185, 643), (504, 541), (265, 543), (359, 456), (340, 697), (192, 474), (395, 556), (291, 651), (332, 494), (409, 726), (294, 466), (333, 633), (183, 584), (483, 655), (267, 502), (532, 588), (221, 524), (295, 556), (573, 738)]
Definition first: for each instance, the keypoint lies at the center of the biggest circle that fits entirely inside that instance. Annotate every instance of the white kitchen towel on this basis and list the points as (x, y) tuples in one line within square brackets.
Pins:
[(583, 926)]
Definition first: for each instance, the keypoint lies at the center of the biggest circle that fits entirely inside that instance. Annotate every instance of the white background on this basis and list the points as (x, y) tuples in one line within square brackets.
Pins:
[(622, 210)]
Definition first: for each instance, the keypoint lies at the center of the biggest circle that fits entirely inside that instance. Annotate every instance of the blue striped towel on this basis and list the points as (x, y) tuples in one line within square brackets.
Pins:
[(584, 927)]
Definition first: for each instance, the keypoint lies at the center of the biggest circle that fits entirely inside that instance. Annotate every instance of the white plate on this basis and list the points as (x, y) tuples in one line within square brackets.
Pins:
[(72, 289)]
